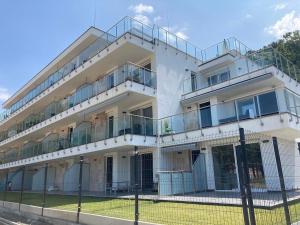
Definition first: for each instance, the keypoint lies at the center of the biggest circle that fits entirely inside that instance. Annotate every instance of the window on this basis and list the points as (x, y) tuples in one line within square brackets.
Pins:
[(193, 81), (224, 167), (227, 112), (291, 102), (142, 123), (205, 115), (267, 103), (246, 108), (218, 78)]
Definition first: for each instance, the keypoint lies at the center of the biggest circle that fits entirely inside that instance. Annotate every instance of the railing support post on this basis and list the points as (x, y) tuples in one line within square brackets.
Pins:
[(247, 176), (5, 190), (45, 188), (136, 186), (281, 180), (79, 188)]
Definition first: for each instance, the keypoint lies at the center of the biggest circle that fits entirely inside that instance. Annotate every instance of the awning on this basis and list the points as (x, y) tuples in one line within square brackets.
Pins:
[(178, 148)]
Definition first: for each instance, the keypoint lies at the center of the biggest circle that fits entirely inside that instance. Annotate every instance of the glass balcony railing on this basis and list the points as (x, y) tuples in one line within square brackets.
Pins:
[(243, 65), (229, 45), (86, 133), (251, 107), (134, 27), (128, 72)]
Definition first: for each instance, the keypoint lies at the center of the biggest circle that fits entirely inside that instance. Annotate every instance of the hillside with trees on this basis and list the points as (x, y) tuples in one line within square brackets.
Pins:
[(289, 46)]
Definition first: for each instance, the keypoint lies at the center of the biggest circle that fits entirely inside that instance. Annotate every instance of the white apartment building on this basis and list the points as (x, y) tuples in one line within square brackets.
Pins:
[(136, 85)]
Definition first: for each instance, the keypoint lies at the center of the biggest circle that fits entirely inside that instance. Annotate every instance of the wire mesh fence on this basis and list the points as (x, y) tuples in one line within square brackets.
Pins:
[(241, 178)]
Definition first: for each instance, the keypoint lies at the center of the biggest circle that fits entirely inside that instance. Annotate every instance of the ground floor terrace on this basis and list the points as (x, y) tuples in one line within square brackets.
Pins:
[(177, 184), (192, 169)]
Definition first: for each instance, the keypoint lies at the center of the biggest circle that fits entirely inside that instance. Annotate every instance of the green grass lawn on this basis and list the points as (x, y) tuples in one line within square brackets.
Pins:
[(159, 212)]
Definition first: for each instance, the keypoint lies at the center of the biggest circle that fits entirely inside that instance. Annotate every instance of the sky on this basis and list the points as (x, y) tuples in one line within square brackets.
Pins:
[(34, 32)]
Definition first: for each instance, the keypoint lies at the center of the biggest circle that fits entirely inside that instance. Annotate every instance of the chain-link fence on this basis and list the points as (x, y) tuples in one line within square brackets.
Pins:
[(241, 178)]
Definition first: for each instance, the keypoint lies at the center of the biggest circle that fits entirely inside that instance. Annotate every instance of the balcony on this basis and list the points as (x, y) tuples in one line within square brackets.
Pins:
[(251, 65), (127, 73), (126, 126), (233, 112), (124, 26)]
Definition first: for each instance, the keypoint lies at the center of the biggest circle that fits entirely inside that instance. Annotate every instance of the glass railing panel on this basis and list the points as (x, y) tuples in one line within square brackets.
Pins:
[(246, 108), (191, 121), (226, 113), (121, 74), (172, 40), (100, 131)]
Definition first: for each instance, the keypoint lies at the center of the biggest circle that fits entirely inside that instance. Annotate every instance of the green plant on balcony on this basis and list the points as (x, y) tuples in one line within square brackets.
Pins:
[(167, 129)]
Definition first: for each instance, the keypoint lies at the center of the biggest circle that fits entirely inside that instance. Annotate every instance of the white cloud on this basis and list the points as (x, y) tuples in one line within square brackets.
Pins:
[(289, 22), (156, 19), (280, 6), (182, 35), (141, 14), (143, 19), (142, 8), (178, 31), (248, 16), (4, 94)]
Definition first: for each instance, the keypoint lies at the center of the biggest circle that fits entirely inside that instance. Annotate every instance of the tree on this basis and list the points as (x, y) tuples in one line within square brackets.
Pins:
[(289, 46)]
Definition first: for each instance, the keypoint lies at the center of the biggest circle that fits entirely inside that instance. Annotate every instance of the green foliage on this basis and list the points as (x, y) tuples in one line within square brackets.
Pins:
[(289, 46)]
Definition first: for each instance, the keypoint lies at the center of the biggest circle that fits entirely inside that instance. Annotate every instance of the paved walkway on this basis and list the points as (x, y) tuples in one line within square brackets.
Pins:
[(260, 199)]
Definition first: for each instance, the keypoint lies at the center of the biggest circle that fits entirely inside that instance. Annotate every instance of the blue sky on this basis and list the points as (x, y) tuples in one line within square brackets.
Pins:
[(34, 32)]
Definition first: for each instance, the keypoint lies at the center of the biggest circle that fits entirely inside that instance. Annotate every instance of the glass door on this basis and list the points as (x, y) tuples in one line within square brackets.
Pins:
[(110, 81), (147, 171), (205, 115), (110, 127), (255, 166), (136, 122), (147, 112), (193, 81), (109, 172), (224, 167)]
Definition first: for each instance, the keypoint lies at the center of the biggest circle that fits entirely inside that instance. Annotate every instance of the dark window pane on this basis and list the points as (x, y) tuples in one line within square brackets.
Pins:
[(268, 103), (224, 167), (205, 115)]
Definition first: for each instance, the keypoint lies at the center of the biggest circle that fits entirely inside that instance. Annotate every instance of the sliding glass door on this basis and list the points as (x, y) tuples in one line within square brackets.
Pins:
[(255, 166), (224, 167)]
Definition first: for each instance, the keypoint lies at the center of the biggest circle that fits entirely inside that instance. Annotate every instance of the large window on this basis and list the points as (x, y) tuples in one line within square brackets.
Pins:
[(224, 167), (293, 102), (227, 112), (246, 108), (255, 166), (267, 103), (205, 115), (218, 78)]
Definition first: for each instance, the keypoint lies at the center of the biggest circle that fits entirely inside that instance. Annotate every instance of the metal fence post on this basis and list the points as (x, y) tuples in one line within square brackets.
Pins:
[(45, 188), (281, 180), (242, 185), (5, 189), (136, 186), (79, 188), (22, 187), (247, 176)]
